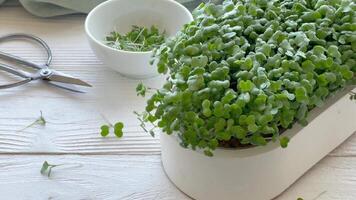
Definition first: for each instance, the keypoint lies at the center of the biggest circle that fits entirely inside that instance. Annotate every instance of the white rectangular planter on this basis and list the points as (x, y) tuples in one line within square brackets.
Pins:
[(260, 173)]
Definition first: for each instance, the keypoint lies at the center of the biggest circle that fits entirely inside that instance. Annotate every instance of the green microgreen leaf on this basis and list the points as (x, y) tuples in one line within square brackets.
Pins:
[(284, 142), (141, 89), (118, 129), (259, 140), (46, 168), (105, 130), (208, 153)]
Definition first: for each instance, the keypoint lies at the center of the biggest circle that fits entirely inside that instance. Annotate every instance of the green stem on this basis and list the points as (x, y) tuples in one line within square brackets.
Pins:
[(138, 36), (107, 121)]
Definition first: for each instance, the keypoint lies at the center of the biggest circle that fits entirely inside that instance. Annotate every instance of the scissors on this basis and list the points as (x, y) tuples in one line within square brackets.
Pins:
[(43, 72)]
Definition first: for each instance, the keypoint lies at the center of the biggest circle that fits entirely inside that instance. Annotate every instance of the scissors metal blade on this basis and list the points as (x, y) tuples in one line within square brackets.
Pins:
[(64, 78), (65, 86)]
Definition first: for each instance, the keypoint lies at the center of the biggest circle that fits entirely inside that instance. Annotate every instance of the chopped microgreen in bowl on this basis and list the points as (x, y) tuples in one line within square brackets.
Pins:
[(138, 39)]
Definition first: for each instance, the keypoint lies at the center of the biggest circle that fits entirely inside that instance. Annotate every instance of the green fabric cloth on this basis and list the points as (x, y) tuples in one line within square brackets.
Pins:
[(51, 8)]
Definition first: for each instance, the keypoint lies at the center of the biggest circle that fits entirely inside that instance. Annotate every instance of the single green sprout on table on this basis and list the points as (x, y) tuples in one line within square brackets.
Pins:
[(106, 128), (47, 168), (39, 121), (138, 39)]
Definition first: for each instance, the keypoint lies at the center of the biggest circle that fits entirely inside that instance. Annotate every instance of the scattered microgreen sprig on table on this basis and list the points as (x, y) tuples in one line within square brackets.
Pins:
[(39, 121), (138, 39), (106, 128), (46, 169)]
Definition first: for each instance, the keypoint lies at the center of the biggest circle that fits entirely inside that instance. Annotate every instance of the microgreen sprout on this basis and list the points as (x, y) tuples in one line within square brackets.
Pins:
[(138, 39), (106, 128), (141, 89), (46, 169), (39, 121), (284, 142)]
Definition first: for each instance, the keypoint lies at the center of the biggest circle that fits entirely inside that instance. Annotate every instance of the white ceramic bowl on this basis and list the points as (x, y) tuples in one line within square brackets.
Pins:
[(120, 15)]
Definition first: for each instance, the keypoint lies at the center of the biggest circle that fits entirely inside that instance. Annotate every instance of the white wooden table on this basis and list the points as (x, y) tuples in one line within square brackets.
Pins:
[(103, 168)]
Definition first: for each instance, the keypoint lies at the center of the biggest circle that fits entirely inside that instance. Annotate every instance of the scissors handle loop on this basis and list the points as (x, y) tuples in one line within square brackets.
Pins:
[(11, 85), (25, 75), (21, 36)]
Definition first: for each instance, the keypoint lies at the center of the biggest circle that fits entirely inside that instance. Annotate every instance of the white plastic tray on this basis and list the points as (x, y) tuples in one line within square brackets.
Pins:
[(260, 173)]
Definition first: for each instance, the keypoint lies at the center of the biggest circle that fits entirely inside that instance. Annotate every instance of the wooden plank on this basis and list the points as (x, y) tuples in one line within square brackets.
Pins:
[(86, 177), (333, 178), (142, 177), (347, 149)]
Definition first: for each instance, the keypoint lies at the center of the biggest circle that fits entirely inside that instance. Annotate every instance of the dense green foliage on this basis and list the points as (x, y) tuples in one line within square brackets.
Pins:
[(247, 70), (138, 39)]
